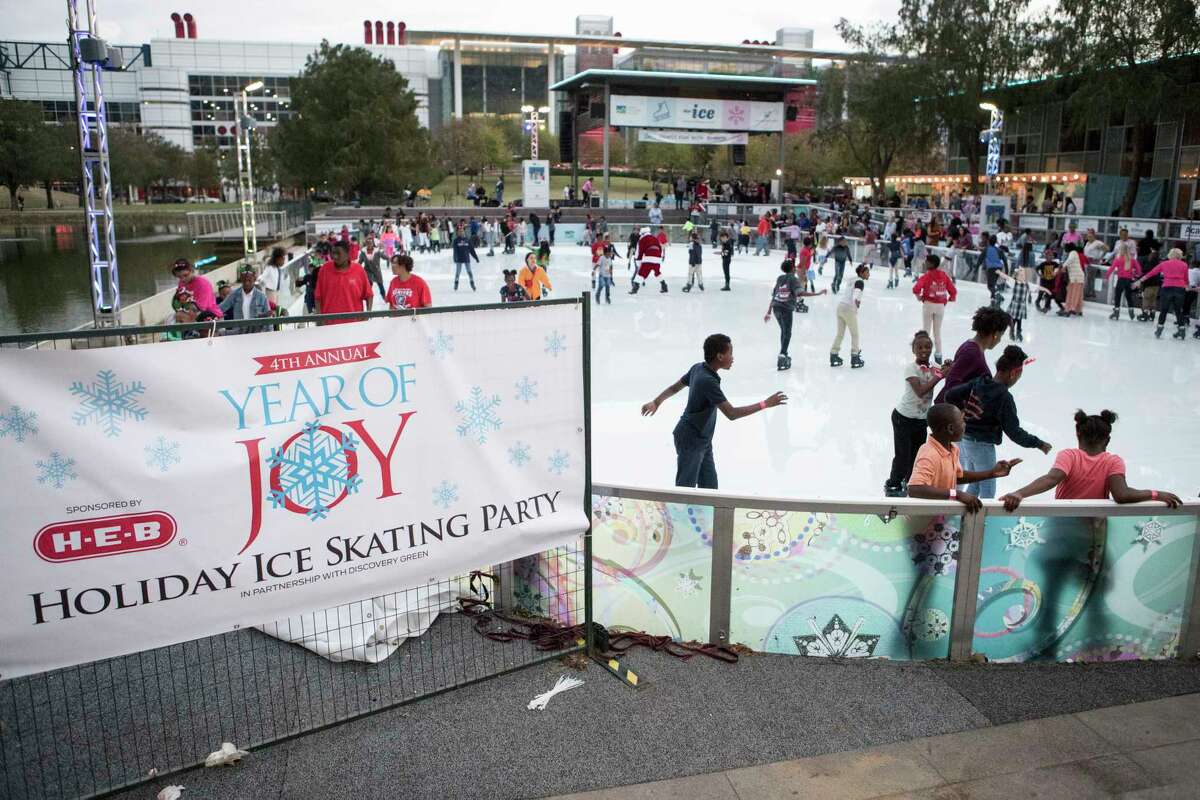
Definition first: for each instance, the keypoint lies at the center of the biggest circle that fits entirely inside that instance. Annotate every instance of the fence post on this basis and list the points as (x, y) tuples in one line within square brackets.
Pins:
[(966, 586), (587, 470), (1189, 626), (721, 584)]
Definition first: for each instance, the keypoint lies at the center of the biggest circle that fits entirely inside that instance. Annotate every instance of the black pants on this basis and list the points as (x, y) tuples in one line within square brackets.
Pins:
[(991, 279), (783, 316), (725, 268), (1189, 306), (839, 268), (694, 464), (908, 435), (1124, 288), (1172, 299)]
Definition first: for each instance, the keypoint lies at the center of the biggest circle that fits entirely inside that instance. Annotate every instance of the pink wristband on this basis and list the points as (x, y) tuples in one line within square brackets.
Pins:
[(762, 404), (1154, 494)]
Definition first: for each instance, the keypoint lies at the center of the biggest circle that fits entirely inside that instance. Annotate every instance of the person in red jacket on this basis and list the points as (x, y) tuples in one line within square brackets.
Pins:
[(934, 289), (649, 259)]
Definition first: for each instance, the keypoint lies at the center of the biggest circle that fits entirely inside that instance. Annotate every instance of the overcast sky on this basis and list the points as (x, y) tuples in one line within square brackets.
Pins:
[(138, 21)]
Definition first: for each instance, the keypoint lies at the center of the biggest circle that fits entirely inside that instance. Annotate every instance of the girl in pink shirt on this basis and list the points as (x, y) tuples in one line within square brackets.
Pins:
[(1173, 294), (1128, 270), (1088, 472)]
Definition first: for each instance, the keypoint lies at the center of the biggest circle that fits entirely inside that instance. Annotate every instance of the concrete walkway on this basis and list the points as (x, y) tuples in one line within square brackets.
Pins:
[(1147, 751)]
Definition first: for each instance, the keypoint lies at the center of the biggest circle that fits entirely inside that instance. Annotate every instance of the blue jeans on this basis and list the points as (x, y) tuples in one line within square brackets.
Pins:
[(978, 457), (604, 284), (694, 465), (760, 246), (458, 268)]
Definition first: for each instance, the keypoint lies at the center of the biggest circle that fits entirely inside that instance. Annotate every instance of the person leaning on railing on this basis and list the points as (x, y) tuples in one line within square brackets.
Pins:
[(937, 469), (1089, 472)]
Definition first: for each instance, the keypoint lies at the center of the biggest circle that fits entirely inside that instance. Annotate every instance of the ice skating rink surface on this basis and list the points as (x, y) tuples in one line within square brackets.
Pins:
[(833, 439)]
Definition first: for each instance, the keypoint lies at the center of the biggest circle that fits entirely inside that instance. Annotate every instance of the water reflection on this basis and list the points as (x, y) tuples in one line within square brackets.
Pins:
[(44, 276)]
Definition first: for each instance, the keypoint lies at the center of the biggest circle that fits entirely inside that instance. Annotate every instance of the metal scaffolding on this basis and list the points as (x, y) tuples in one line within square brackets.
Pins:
[(246, 181), (97, 177)]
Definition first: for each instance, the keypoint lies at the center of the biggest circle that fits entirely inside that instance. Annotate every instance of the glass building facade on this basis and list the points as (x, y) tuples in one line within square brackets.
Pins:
[(495, 81)]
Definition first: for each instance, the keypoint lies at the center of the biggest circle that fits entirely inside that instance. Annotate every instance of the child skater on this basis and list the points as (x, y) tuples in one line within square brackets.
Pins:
[(726, 257), (602, 273), (511, 291), (784, 299), (1088, 472), (908, 417), (695, 259), (847, 316), (937, 470), (893, 255), (1018, 306)]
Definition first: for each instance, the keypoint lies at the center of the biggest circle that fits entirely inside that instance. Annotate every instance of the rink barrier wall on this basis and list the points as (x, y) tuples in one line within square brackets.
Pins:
[(95, 728), (733, 568)]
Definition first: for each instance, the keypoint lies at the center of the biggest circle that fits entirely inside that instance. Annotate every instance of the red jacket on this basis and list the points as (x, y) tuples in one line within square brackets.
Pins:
[(649, 249), (935, 286)]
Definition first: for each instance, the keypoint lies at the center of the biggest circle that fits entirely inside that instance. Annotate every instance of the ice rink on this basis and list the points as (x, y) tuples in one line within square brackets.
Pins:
[(834, 437)]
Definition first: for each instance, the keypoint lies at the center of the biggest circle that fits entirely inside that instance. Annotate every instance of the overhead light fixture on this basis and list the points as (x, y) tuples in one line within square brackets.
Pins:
[(987, 106), (253, 87)]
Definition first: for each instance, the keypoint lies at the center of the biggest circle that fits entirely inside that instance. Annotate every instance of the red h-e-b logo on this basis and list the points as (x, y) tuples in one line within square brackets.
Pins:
[(104, 536)]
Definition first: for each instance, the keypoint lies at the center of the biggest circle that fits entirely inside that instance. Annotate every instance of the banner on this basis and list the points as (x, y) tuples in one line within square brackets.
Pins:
[(691, 113), (692, 137), (535, 184), (159, 493)]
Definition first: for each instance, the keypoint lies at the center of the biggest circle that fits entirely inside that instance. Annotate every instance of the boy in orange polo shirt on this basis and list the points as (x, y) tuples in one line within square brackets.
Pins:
[(937, 470)]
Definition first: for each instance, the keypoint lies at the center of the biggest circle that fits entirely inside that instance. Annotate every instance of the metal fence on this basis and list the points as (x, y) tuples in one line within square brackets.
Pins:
[(89, 729), (227, 224)]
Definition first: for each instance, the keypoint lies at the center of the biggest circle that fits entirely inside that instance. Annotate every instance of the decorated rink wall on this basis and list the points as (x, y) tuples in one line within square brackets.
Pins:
[(862, 585)]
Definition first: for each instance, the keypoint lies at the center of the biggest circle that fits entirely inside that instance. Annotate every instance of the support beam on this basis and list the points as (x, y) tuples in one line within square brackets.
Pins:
[(607, 90), (552, 123), (458, 100)]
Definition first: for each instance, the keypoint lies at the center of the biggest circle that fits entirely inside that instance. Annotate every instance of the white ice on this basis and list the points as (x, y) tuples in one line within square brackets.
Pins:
[(834, 437)]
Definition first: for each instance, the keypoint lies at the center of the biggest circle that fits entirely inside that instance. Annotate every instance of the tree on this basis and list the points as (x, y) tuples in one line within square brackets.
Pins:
[(469, 146), (959, 53), (20, 128), (1122, 53), (133, 160), (204, 168), (55, 157), (354, 124), (652, 157), (870, 107)]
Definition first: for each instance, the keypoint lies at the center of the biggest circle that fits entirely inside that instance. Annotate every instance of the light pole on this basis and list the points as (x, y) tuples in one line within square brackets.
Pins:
[(533, 124), (993, 135), (245, 176)]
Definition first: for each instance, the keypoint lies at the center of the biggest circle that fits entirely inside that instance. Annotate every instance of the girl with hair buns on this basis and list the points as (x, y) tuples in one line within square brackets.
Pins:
[(1088, 472)]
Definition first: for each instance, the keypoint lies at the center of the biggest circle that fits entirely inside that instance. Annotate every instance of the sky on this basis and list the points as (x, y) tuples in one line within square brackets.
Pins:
[(137, 21)]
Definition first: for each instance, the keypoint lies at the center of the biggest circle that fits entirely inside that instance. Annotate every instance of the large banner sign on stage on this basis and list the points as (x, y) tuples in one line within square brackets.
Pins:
[(637, 111), (164, 492), (692, 137)]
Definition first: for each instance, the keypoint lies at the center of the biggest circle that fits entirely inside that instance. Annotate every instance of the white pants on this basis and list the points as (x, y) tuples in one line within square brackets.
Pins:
[(847, 318), (695, 275), (931, 320)]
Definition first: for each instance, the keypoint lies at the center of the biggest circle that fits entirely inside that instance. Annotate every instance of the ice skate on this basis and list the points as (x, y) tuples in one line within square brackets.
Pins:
[(725, 288), (1131, 313), (801, 307), (1116, 314), (1180, 333), (856, 361), (702, 287), (663, 289), (635, 288), (782, 363), (1196, 335), (1158, 332), (835, 360), (893, 491), (687, 287)]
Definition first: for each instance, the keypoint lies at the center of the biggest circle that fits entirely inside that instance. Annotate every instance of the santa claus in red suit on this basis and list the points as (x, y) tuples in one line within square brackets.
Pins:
[(649, 259)]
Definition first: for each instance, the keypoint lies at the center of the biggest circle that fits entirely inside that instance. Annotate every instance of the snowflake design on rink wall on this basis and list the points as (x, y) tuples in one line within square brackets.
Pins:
[(559, 462), (934, 626), (1149, 532), (57, 471), (18, 423), (935, 549), (518, 454), (1024, 534), (836, 641), (441, 345), (444, 494), (478, 415), (526, 389), (688, 583), (108, 402), (314, 471), (162, 454), (555, 343)]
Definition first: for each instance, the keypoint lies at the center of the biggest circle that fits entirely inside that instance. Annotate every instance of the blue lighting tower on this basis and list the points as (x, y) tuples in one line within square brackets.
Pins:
[(993, 135), (90, 56)]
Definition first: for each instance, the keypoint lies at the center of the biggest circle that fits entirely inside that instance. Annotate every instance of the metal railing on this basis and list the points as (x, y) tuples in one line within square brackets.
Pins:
[(227, 224), (918, 548)]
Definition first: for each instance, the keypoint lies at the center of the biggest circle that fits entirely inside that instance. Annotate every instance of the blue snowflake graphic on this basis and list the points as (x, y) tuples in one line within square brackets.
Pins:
[(57, 471), (478, 415), (162, 454), (441, 345), (18, 423), (518, 454), (444, 494), (314, 471), (555, 343), (108, 402), (559, 462), (526, 389)]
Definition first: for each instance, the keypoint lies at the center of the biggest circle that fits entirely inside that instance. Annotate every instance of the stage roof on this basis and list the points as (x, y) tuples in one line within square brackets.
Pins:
[(709, 80)]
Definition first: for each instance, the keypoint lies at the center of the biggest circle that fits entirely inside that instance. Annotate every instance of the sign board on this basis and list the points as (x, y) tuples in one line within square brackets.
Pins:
[(992, 209), (1034, 222), (535, 184), (759, 210), (692, 137), (689, 113), (1189, 230), (1138, 229), (281, 473)]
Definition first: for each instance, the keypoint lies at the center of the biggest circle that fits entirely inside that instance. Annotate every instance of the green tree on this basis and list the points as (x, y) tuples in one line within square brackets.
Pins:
[(20, 128), (55, 156), (959, 54), (354, 124), (133, 160), (1122, 54), (870, 109), (658, 157), (469, 146), (204, 168)]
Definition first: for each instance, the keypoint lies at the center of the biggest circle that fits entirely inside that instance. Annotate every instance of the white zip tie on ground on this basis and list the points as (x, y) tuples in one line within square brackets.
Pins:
[(228, 754), (170, 793), (565, 683)]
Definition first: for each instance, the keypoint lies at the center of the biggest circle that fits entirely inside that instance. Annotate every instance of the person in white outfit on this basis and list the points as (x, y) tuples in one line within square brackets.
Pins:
[(847, 316)]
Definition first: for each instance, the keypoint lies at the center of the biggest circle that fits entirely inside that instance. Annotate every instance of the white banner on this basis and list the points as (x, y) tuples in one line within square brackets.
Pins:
[(159, 493), (1188, 231), (692, 137), (535, 184), (692, 113)]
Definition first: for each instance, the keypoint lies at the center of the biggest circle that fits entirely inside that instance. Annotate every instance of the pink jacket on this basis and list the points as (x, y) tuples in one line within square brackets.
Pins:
[(1126, 268), (1174, 273), (206, 300)]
